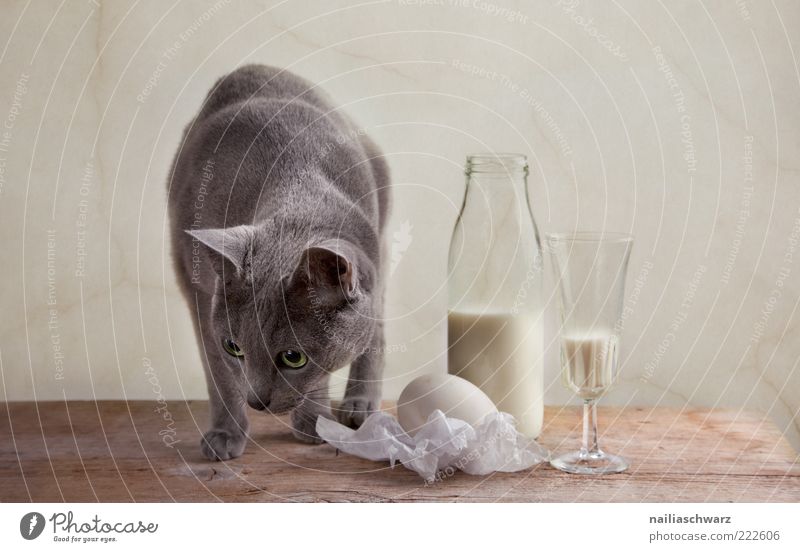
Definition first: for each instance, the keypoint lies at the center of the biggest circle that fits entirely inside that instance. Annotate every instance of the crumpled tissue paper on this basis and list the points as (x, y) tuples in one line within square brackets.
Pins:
[(440, 446)]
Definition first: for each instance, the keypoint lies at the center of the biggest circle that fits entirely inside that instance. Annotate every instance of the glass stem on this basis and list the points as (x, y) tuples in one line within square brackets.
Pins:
[(589, 443)]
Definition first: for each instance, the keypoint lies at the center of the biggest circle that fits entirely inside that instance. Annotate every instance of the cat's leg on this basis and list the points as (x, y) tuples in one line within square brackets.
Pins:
[(362, 395), (227, 436), (304, 417)]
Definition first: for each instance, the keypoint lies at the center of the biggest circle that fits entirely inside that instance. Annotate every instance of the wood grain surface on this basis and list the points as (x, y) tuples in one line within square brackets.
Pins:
[(118, 451)]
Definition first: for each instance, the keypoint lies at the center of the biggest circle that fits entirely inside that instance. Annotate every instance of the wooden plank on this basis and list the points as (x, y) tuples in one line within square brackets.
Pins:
[(115, 451)]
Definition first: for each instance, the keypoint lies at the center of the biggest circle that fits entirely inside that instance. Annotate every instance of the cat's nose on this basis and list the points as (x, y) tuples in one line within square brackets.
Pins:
[(258, 404)]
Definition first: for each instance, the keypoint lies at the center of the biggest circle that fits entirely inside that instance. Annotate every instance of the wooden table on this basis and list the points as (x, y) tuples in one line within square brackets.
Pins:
[(116, 451)]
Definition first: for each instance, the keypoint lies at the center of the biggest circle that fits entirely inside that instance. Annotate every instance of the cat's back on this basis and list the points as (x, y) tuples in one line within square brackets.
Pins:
[(261, 128), (249, 116), (251, 82)]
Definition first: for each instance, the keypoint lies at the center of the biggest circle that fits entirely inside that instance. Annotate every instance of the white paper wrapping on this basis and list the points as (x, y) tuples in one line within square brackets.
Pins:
[(442, 444)]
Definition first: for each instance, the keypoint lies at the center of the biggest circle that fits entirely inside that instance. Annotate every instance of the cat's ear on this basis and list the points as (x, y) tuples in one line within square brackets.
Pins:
[(228, 248), (330, 270)]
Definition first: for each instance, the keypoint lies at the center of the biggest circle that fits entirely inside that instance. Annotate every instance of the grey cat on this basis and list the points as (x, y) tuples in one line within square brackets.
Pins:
[(278, 205)]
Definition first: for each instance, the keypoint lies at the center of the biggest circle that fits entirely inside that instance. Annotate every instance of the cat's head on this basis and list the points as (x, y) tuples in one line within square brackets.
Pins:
[(286, 312)]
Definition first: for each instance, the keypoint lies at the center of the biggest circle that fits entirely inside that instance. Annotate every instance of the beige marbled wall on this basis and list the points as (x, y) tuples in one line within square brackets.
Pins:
[(677, 121)]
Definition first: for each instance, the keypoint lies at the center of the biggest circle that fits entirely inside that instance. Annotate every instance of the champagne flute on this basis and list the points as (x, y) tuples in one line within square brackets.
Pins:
[(590, 270)]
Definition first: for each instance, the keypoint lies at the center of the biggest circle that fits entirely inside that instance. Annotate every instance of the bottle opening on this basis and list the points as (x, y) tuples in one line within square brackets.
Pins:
[(500, 163)]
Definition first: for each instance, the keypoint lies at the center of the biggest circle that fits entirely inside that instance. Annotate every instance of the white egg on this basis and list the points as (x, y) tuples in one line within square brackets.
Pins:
[(454, 396)]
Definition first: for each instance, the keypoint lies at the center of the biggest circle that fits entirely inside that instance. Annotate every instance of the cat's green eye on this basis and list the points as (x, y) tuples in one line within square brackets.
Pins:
[(232, 348), (293, 359)]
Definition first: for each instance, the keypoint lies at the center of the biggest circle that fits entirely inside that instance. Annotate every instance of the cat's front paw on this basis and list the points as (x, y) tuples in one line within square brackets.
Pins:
[(354, 410), (221, 444), (304, 426)]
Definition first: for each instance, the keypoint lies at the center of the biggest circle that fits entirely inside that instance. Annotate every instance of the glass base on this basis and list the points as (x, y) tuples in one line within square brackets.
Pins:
[(590, 463)]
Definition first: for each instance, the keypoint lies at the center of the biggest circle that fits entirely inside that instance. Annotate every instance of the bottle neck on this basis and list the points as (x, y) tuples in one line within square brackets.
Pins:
[(496, 200), (501, 164), (497, 185)]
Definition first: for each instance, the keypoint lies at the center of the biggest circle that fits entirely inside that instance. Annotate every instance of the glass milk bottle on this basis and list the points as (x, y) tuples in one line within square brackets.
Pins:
[(495, 323)]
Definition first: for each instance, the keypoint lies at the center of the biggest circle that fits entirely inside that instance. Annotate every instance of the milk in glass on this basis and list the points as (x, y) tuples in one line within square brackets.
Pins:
[(588, 360)]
